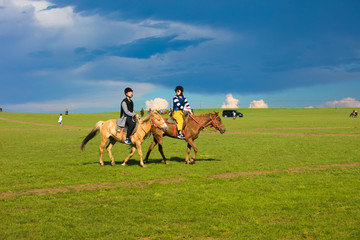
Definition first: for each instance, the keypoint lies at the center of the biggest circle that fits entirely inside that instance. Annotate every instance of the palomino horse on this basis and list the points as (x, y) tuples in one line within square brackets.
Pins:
[(108, 131), (195, 124)]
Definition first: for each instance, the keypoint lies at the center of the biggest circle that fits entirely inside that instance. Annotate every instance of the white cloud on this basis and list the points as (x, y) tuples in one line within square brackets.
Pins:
[(156, 104), (258, 104), (61, 28), (36, 5), (309, 107), (231, 102), (41, 40), (43, 14), (62, 17), (343, 103)]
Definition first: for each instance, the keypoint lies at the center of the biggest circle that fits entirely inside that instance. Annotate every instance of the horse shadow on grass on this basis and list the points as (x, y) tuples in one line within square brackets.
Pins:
[(132, 162), (177, 159), (108, 163)]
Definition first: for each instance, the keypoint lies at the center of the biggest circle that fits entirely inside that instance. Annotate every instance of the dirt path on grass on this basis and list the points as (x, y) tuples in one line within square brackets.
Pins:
[(298, 134), (291, 170), (67, 127), (86, 187), (144, 184), (307, 128), (49, 125)]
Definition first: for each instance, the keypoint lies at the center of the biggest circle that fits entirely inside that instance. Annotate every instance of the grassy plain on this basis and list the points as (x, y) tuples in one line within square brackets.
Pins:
[(275, 174)]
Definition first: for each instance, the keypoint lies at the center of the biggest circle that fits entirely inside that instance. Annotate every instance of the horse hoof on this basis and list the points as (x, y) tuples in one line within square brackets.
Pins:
[(144, 166), (123, 164), (113, 164), (166, 162)]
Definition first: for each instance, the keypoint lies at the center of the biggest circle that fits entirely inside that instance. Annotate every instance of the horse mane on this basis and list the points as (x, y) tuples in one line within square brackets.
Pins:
[(201, 115), (145, 119), (214, 112), (205, 114)]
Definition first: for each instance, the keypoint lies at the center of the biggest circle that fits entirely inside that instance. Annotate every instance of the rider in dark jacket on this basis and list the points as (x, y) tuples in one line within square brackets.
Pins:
[(127, 113)]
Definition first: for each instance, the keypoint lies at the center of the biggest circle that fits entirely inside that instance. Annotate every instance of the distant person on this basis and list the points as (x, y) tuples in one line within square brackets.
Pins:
[(142, 112), (180, 104), (234, 115), (60, 119), (353, 114), (127, 113)]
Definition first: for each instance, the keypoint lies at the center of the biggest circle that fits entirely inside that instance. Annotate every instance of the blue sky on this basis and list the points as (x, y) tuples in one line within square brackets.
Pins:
[(81, 54)]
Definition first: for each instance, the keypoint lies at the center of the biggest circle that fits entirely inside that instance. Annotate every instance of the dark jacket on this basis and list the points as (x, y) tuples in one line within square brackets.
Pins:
[(127, 110)]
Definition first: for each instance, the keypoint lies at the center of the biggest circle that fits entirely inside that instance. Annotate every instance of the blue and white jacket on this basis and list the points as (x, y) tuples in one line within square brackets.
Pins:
[(180, 103)]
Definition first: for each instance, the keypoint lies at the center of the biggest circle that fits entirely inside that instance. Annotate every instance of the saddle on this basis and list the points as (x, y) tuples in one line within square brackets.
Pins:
[(172, 120), (123, 130)]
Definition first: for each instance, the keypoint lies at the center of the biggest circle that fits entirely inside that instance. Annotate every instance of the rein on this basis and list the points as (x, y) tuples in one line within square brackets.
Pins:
[(207, 128), (154, 123), (151, 121), (215, 122)]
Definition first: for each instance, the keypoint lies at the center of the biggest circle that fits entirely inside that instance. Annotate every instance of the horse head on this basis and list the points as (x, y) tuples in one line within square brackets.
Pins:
[(217, 123), (158, 121)]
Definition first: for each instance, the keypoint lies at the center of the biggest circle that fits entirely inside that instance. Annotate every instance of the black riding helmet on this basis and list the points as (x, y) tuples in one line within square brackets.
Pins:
[(179, 88), (127, 90)]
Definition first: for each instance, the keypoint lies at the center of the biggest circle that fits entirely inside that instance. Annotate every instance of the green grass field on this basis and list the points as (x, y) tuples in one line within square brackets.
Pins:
[(274, 174)]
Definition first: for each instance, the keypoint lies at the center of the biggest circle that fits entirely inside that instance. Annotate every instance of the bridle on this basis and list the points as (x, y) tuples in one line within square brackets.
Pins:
[(217, 127), (152, 121)]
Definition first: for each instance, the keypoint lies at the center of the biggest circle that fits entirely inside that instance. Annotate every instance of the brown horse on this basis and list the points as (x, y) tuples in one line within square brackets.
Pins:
[(192, 129), (108, 131)]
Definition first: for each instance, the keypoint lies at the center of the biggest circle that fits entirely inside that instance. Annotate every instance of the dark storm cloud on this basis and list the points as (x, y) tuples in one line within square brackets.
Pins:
[(142, 48)]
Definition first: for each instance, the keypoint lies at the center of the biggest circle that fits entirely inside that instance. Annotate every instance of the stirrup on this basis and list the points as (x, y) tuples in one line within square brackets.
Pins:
[(128, 141), (118, 129), (181, 136)]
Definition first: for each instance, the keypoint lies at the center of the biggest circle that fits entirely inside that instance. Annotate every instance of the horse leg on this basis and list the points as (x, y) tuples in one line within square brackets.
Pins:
[(101, 148), (108, 148), (138, 146), (192, 144), (133, 149), (151, 147), (159, 140), (188, 150), (162, 153)]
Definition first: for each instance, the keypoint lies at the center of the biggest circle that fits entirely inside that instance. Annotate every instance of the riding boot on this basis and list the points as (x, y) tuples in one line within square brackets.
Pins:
[(128, 141), (181, 135)]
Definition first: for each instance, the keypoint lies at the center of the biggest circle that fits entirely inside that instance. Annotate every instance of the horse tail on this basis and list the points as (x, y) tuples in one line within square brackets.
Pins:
[(92, 134)]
